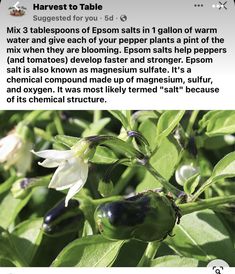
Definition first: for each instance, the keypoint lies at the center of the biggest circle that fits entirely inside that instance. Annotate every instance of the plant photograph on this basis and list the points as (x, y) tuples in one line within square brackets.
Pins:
[(98, 188)]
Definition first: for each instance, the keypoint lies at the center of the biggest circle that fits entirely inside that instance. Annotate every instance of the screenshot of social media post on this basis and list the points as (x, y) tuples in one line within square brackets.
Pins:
[(117, 136)]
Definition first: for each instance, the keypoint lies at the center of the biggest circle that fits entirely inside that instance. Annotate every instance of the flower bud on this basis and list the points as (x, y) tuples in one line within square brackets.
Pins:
[(184, 172), (20, 188), (15, 149)]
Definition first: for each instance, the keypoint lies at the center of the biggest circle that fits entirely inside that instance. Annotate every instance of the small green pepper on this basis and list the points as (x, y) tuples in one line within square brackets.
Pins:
[(61, 220), (149, 216)]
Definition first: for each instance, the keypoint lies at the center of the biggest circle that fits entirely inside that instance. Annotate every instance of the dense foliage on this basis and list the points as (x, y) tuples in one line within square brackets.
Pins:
[(119, 181)]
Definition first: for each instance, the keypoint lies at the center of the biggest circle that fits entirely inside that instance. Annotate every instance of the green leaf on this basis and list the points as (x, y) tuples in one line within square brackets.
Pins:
[(174, 261), (133, 247), (218, 122), (165, 161), (145, 115), (87, 229), (148, 129), (68, 141), (59, 146), (6, 263), (207, 117), (225, 168), (29, 236), (121, 117), (167, 122), (218, 142), (7, 184), (105, 188), (222, 122), (8, 251), (96, 127), (103, 155), (9, 209), (191, 183), (119, 146), (91, 251), (201, 235), (205, 166)]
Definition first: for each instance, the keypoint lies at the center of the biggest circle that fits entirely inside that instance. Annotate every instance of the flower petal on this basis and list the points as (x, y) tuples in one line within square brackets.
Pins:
[(23, 163), (68, 173), (73, 190), (53, 154), (49, 163), (8, 146)]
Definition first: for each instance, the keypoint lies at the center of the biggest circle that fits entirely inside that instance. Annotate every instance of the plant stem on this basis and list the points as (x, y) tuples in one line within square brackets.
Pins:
[(169, 187), (97, 202), (149, 253), (211, 203), (129, 118), (117, 145), (58, 124), (40, 181), (97, 115), (32, 116), (191, 122), (78, 123), (125, 178), (111, 169), (43, 134), (201, 189)]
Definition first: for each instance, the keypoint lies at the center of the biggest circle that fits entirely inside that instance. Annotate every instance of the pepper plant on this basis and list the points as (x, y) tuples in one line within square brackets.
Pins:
[(117, 188)]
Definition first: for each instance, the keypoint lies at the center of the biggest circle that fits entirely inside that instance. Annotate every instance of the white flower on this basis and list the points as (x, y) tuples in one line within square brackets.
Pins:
[(71, 172), (184, 172), (15, 151)]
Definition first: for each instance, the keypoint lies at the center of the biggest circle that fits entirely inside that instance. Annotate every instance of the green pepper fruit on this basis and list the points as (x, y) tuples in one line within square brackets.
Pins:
[(147, 217), (61, 220)]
